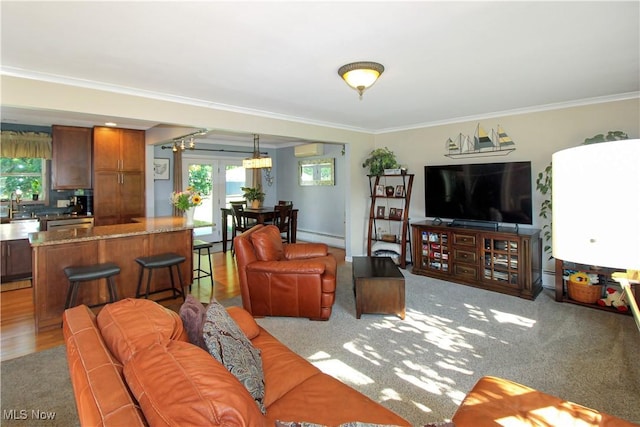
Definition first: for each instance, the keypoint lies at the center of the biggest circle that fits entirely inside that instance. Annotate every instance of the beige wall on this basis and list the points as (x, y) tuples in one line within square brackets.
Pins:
[(537, 135)]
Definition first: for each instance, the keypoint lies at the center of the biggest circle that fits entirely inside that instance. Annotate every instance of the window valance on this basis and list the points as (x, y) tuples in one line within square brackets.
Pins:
[(25, 144)]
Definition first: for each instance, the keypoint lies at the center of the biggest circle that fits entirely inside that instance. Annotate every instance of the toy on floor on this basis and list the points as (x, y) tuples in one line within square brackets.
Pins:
[(615, 299)]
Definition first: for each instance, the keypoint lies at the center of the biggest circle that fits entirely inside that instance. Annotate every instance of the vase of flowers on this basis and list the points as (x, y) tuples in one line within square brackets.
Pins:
[(187, 201)]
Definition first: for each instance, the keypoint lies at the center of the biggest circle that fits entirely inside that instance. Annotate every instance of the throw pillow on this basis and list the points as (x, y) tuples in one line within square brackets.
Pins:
[(193, 313), (268, 244), (229, 345)]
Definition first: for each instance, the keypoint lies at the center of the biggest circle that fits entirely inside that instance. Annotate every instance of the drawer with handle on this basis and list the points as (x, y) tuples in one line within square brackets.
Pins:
[(465, 271), (465, 256), (464, 239)]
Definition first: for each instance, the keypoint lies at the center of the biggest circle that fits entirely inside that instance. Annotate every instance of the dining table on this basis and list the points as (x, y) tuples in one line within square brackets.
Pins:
[(261, 216)]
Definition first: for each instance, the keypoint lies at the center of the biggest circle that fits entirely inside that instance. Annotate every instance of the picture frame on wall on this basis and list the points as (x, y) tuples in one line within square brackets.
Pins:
[(379, 190), (160, 169), (399, 191), (380, 212)]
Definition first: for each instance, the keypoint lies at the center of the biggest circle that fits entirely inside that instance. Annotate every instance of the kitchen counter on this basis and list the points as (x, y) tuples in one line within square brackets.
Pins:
[(140, 227), (120, 244), (18, 230)]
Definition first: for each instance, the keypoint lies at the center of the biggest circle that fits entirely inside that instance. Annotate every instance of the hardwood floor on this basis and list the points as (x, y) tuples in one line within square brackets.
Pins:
[(17, 325)]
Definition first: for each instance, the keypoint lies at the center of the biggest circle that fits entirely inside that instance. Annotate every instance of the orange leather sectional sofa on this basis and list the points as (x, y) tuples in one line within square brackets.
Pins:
[(132, 365)]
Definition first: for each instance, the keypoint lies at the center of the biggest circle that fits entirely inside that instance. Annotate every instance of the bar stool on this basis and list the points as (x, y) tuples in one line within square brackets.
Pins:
[(77, 274), (201, 245), (166, 260)]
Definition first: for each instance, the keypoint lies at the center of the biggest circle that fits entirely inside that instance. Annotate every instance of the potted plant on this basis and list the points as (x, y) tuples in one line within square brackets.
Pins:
[(379, 160), (35, 189), (255, 196)]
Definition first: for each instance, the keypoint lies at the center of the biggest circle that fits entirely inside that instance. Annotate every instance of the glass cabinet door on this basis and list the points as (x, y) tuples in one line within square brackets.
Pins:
[(500, 261), (435, 251)]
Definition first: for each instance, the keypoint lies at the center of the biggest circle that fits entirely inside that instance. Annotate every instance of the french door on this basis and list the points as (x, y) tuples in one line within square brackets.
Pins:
[(219, 180)]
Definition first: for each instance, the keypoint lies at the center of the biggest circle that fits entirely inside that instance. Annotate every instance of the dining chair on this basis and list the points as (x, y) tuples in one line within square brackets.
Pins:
[(280, 203), (240, 221), (282, 220)]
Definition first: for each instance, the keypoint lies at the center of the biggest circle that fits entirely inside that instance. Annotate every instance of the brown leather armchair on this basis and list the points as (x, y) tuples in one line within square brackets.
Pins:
[(291, 279)]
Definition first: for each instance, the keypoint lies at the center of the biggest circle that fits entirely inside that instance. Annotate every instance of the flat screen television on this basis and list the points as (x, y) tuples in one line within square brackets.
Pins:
[(496, 192)]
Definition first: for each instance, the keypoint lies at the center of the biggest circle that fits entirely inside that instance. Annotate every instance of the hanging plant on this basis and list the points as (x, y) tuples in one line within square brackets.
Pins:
[(379, 160)]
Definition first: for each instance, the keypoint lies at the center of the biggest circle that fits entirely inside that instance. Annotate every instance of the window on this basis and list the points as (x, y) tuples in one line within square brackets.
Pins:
[(316, 172), (26, 175)]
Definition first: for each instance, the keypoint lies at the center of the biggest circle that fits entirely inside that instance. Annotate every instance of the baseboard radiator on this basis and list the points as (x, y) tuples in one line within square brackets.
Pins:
[(317, 237)]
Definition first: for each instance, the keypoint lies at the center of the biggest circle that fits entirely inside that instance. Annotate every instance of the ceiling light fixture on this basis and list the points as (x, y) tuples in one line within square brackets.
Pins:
[(179, 142), (256, 162), (361, 75)]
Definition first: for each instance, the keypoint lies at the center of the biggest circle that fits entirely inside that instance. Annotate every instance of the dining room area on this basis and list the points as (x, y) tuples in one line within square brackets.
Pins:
[(283, 215), (303, 196)]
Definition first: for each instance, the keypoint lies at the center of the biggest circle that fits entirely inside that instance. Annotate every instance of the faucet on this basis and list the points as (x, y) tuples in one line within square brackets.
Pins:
[(11, 205), (17, 195)]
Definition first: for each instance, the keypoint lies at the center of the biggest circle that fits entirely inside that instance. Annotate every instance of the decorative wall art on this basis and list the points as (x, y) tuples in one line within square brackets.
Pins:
[(160, 168), (483, 144)]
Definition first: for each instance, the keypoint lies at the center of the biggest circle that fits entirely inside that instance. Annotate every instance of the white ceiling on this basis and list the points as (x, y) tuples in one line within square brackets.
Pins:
[(445, 61)]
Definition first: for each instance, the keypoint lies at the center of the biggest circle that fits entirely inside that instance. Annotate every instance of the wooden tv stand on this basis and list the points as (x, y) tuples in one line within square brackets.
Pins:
[(505, 260)]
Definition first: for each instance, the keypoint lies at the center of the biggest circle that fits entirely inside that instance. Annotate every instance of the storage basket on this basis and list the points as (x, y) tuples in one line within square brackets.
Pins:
[(582, 292)]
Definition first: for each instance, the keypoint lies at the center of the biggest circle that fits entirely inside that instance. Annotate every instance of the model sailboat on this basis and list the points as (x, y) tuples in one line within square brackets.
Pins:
[(498, 144)]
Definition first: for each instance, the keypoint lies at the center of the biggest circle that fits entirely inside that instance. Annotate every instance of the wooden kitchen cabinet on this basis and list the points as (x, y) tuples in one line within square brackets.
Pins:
[(118, 175), (16, 260), (71, 158)]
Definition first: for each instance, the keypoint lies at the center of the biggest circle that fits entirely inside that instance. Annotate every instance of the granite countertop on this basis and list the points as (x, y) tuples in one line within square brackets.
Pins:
[(18, 230), (141, 226)]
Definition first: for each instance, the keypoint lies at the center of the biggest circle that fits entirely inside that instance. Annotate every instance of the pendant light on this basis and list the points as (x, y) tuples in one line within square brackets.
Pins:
[(256, 162)]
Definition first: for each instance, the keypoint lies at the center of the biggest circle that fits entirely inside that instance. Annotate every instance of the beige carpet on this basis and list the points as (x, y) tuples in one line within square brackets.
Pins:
[(37, 391), (423, 366)]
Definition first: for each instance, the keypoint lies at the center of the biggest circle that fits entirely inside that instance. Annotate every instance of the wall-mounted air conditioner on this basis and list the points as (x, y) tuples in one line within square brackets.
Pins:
[(308, 150)]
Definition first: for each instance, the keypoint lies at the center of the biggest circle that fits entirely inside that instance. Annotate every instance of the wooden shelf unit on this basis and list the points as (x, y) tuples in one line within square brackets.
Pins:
[(503, 260), (399, 223), (604, 274)]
